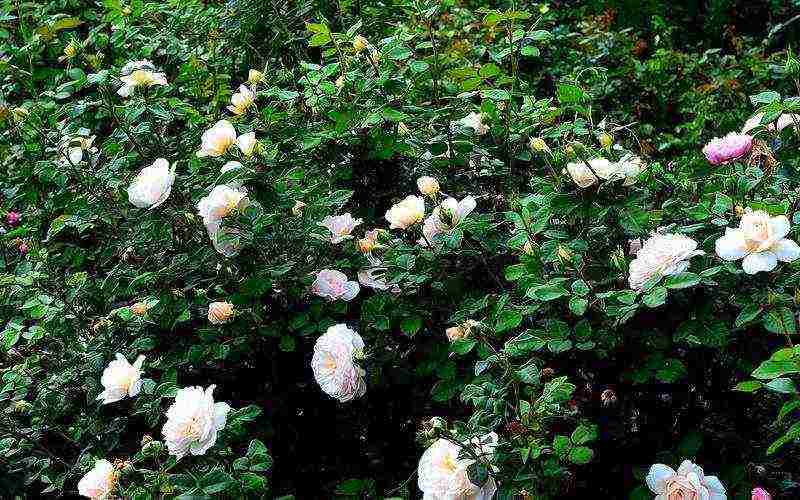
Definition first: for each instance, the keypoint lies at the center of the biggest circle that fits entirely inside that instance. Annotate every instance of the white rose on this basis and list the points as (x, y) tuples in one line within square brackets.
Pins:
[(446, 217), (662, 255), (473, 122), (247, 143), (760, 240), (217, 139), (152, 186), (584, 176), (137, 74), (442, 475), (222, 200), (334, 366), (120, 379), (193, 421), (242, 100), (406, 213), (98, 483)]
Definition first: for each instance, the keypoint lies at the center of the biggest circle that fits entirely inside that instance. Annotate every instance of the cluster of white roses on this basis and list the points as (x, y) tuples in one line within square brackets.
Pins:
[(760, 240), (193, 421), (626, 169)]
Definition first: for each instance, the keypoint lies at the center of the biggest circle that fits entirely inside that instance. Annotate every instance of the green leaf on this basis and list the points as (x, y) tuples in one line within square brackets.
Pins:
[(462, 346), (581, 455), (578, 305), (411, 326), (682, 280), (508, 319), (399, 53), (766, 97), (584, 433), (780, 320), (656, 297), (561, 445), (772, 369), (748, 314), (782, 385), (748, 386)]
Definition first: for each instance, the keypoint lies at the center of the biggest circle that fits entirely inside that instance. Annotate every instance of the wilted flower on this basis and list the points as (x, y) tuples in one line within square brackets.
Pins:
[(375, 278), (334, 366), (217, 139), (121, 379), (406, 213), (340, 226), (139, 308), (462, 331), (226, 240), (138, 74), (428, 186), (333, 285), (728, 148), (608, 397), (688, 483), (781, 123), (761, 494), (360, 43), (369, 242), (152, 186), (297, 209), (538, 145), (254, 77), (449, 214), (247, 143), (442, 475), (473, 122), (220, 312), (98, 483), (13, 218), (222, 200), (242, 100), (193, 421), (662, 255), (760, 240), (628, 168)]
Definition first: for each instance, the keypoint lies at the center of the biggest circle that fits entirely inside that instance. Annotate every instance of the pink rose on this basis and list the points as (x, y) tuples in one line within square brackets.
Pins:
[(730, 147), (761, 494)]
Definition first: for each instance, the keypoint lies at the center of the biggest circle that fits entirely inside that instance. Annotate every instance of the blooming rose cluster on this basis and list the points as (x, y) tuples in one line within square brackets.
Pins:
[(626, 169), (662, 255)]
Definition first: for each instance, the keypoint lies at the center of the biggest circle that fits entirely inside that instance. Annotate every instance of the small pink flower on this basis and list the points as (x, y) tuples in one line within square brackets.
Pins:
[(340, 226), (761, 494), (23, 249), (334, 285), (730, 147), (12, 218)]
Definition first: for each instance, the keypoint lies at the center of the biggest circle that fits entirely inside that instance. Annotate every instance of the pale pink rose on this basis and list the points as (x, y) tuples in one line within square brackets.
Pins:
[(442, 475), (217, 139), (728, 148), (193, 421), (220, 312), (761, 494), (247, 143), (662, 255), (333, 285), (428, 186), (446, 217), (98, 483), (120, 379), (781, 123), (152, 186), (462, 331), (584, 176), (340, 226), (688, 483), (334, 365), (760, 240), (406, 213)]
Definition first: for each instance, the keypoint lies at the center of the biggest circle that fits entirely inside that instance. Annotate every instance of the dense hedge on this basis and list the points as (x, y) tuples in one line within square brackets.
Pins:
[(451, 249)]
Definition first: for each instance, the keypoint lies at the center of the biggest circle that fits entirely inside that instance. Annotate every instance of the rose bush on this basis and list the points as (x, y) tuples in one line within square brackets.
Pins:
[(478, 221)]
